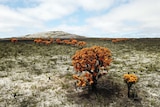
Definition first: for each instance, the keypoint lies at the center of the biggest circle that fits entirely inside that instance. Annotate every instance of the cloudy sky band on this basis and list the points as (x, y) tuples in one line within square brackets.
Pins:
[(92, 18)]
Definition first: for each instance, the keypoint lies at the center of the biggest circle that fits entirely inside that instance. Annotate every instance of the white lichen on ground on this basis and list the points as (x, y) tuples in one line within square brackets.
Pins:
[(37, 82)]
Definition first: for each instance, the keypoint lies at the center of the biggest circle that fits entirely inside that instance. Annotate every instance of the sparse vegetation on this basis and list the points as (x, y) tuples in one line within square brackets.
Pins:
[(38, 75)]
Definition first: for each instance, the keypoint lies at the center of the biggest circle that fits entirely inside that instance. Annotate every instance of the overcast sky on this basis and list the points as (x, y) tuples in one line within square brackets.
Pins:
[(92, 18)]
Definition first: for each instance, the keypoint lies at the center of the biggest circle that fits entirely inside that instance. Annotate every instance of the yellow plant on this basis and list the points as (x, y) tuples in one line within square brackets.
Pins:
[(130, 79)]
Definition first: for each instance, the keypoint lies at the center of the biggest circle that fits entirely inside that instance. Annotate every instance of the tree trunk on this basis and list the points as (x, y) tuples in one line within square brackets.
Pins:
[(129, 88), (94, 85)]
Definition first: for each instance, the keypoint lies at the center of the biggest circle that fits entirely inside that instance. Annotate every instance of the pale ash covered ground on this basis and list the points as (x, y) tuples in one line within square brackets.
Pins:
[(46, 81), (32, 83)]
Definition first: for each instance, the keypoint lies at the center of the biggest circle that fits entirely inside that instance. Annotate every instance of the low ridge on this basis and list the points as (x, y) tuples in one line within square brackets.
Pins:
[(53, 34)]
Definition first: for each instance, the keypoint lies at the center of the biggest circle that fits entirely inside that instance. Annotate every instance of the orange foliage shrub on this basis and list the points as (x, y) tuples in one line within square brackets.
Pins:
[(51, 40), (66, 42), (58, 41), (130, 79), (88, 62), (81, 43), (119, 40), (47, 42), (114, 41), (69, 42), (37, 40), (43, 41), (74, 41), (14, 40)]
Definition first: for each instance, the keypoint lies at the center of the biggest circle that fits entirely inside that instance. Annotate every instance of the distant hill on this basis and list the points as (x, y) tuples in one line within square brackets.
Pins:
[(53, 34)]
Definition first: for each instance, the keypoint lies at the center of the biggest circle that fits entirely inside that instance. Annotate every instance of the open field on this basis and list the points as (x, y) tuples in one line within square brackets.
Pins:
[(33, 75)]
